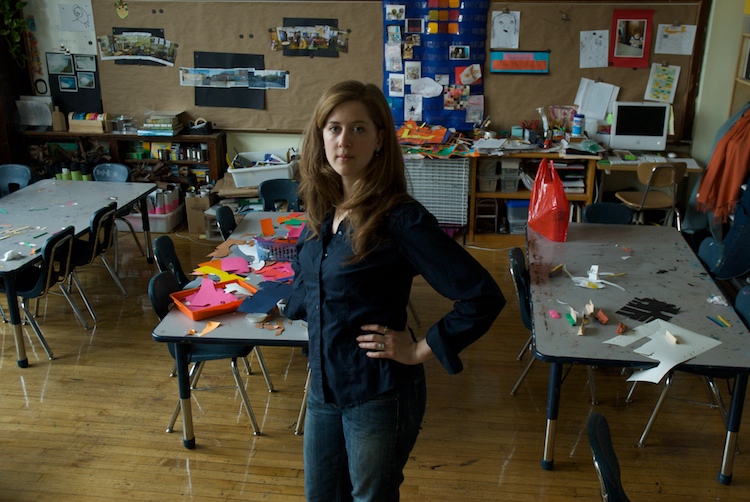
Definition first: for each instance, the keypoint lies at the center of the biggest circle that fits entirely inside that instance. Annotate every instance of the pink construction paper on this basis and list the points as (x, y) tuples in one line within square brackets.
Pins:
[(209, 296), (294, 231), (235, 264)]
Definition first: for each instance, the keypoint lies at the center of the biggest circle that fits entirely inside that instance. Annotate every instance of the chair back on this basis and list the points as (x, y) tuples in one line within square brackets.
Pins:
[(159, 288), (661, 175), (101, 231), (607, 212), (55, 267), (272, 191), (225, 220), (605, 460), (111, 172), (167, 260), (742, 304), (520, 274), (14, 177)]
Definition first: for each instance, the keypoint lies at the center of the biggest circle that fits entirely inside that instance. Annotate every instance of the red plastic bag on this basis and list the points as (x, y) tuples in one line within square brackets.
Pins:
[(549, 211)]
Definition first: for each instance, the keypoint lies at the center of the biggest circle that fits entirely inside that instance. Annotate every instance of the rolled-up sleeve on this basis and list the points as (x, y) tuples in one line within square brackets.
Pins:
[(454, 274)]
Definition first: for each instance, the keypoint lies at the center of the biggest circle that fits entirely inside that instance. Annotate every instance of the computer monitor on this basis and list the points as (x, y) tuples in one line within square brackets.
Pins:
[(640, 126)]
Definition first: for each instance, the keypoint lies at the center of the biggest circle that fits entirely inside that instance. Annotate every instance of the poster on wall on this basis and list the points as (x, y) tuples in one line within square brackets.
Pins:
[(433, 58), (631, 38)]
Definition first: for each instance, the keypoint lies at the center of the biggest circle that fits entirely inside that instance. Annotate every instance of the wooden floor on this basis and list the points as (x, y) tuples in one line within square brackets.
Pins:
[(90, 425)]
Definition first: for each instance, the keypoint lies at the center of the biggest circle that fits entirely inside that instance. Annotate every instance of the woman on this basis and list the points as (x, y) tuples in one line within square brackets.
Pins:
[(364, 241)]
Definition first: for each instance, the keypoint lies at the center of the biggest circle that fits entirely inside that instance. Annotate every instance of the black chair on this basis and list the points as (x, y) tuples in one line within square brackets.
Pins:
[(605, 459), (521, 282), (14, 177), (607, 212), (36, 281), (95, 244), (279, 190), (742, 304), (225, 220), (159, 289), (118, 173)]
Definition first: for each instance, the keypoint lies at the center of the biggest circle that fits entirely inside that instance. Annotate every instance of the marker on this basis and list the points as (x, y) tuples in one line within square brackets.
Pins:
[(716, 321), (43, 233), (3, 211), (724, 321)]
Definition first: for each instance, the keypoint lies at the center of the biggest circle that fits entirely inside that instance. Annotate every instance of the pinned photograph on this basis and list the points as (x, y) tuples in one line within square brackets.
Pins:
[(68, 83), (413, 39), (413, 71), (395, 12), (459, 52), (469, 75), (443, 79), (415, 26), (394, 34), (85, 62), (455, 97), (396, 85), (86, 80), (59, 63)]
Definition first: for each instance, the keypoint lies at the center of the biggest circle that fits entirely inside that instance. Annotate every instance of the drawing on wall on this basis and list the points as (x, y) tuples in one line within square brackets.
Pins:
[(594, 49), (396, 85), (75, 16), (413, 107), (505, 30)]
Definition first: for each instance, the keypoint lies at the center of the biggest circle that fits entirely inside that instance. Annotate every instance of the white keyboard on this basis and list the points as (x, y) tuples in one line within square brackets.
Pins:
[(613, 159)]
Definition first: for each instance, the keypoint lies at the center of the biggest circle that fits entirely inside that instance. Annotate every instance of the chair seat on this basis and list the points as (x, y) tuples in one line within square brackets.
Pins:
[(207, 352), (654, 200)]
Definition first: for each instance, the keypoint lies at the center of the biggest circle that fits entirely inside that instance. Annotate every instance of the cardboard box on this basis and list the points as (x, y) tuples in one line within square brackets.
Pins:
[(195, 209)]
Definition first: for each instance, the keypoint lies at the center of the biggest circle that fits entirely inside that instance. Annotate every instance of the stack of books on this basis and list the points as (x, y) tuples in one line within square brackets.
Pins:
[(161, 124), (572, 175)]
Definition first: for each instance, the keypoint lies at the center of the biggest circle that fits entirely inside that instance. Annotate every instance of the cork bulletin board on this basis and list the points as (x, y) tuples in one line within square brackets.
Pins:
[(242, 28)]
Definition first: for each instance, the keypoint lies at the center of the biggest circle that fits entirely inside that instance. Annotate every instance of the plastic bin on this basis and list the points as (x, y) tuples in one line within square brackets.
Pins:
[(159, 223), (509, 183), (247, 176), (518, 215), (487, 167), (488, 183), (510, 167)]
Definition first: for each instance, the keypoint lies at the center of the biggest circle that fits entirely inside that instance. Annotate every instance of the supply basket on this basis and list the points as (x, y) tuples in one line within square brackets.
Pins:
[(247, 174), (273, 249)]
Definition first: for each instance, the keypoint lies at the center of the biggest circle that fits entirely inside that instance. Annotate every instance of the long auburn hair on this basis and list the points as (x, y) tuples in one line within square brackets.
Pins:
[(382, 186)]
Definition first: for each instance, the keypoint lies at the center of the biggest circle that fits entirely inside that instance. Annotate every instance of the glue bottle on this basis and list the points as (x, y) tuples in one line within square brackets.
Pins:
[(578, 120)]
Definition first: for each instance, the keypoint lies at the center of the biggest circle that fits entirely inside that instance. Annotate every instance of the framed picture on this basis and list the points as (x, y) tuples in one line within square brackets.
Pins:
[(459, 52), (630, 38), (396, 85), (59, 63), (519, 62), (68, 83), (86, 80), (85, 62)]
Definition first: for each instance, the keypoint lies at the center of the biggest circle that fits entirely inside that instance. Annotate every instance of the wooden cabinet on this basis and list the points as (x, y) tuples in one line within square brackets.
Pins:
[(741, 88), (120, 144), (475, 195)]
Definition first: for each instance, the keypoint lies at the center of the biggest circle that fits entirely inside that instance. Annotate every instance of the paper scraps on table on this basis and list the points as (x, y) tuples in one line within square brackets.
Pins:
[(594, 279), (208, 295), (265, 299), (648, 309), (663, 348), (223, 250)]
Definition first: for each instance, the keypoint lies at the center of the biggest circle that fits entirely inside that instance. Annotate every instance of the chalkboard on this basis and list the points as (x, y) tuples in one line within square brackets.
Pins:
[(243, 28)]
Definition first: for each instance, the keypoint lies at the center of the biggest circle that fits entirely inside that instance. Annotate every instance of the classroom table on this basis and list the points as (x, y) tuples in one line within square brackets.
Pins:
[(234, 329), (30, 215), (658, 264)]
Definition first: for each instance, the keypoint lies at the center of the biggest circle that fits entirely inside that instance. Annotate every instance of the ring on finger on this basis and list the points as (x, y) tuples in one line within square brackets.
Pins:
[(385, 330), (381, 346)]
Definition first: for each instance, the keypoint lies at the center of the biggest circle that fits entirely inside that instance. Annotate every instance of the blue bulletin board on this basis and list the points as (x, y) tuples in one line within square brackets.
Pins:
[(434, 53)]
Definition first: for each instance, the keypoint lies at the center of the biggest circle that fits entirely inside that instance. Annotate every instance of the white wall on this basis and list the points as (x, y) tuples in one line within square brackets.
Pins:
[(717, 75)]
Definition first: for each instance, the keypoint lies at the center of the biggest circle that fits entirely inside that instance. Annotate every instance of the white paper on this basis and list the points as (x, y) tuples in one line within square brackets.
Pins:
[(413, 107), (505, 30), (671, 39), (595, 99), (34, 113), (426, 87), (594, 49), (662, 349), (662, 83)]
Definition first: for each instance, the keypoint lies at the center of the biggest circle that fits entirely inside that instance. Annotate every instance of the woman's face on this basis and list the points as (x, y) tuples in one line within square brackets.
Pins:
[(350, 138)]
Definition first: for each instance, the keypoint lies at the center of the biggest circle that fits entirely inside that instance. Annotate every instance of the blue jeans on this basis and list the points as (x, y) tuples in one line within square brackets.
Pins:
[(359, 453)]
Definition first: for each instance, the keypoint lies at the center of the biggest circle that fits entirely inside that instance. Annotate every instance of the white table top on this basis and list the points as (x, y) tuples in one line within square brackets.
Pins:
[(234, 327), (56, 204), (661, 266)]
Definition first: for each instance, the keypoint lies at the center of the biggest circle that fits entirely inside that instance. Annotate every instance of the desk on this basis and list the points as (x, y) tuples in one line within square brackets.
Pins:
[(234, 329), (607, 169), (661, 266), (56, 204)]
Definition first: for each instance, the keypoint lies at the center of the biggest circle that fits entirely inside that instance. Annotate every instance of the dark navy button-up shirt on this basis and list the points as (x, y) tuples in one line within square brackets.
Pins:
[(337, 298)]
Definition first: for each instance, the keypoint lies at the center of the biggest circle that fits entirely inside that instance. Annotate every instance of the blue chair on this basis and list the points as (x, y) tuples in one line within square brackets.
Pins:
[(605, 459), (159, 289), (36, 282), (521, 282), (14, 177), (279, 190), (607, 212), (225, 220), (730, 257), (118, 173)]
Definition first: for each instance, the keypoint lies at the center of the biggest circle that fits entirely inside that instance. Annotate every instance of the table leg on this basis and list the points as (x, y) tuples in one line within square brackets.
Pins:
[(147, 230), (15, 319), (553, 405), (733, 428), (183, 381)]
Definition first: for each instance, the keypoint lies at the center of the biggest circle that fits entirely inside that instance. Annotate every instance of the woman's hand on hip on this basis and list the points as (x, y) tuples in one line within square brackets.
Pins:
[(382, 342)]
